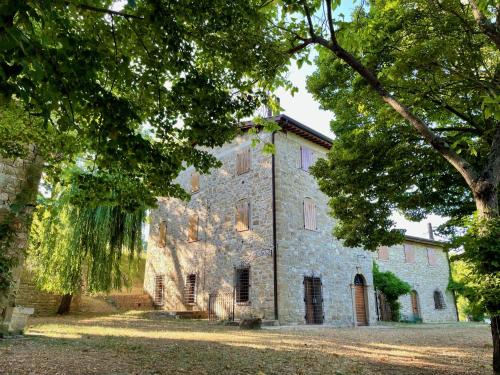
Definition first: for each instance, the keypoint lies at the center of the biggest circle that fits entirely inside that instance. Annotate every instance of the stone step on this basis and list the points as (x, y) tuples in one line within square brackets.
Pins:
[(191, 314)]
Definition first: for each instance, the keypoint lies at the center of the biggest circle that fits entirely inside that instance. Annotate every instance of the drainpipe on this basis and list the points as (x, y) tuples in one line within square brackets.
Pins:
[(275, 246)]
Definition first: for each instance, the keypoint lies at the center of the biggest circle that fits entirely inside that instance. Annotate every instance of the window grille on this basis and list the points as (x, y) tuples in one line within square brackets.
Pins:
[(313, 298), (242, 285), (159, 290), (190, 289), (438, 300)]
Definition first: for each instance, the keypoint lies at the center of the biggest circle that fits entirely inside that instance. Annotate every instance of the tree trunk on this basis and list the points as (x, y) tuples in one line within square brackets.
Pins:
[(495, 334), (65, 305), (486, 198), (19, 189)]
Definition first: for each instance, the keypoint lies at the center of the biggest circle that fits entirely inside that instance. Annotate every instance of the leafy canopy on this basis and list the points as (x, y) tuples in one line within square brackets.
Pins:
[(89, 79), (432, 57)]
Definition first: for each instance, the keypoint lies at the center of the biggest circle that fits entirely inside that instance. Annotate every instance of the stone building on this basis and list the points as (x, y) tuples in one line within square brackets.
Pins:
[(256, 239), (423, 264)]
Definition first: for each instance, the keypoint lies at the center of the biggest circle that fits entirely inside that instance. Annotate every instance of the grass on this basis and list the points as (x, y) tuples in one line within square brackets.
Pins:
[(149, 343)]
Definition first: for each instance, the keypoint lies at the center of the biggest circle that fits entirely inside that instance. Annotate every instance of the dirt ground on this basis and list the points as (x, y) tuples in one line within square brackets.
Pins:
[(150, 343)]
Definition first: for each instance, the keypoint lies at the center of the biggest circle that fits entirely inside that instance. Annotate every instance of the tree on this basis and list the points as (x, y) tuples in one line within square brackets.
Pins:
[(392, 287), (73, 247), (463, 284), (414, 88), (82, 81)]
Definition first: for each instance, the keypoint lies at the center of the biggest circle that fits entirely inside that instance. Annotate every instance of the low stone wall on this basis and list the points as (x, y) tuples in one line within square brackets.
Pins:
[(29, 296)]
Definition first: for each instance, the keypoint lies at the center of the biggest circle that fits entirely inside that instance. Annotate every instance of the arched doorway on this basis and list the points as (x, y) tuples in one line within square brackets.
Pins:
[(415, 308), (360, 300)]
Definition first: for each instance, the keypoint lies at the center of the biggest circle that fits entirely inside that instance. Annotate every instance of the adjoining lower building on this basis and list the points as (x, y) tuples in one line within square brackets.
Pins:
[(423, 263), (256, 239)]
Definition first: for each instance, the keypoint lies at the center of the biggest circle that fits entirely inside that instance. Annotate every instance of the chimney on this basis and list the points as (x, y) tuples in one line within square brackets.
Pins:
[(429, 228)]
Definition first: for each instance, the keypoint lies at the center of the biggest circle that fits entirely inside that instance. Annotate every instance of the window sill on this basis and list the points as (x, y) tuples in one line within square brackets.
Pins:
[(244, 303)]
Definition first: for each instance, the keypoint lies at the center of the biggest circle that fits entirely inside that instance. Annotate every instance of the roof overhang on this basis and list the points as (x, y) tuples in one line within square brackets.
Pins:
[(425, 241), (293, 126)]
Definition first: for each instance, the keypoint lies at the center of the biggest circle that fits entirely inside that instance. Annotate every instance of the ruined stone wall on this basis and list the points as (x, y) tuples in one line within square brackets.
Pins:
[(303, 252), (220, 247), (424, 279)]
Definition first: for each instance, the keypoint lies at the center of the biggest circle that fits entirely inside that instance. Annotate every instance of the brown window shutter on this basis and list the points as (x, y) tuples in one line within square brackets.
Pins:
[(409, 254), (309, 214), (243, 161), (242, 216), (431, 257), (195, 182), (162, 234), (383, 253), (193, 228), (306, 158)]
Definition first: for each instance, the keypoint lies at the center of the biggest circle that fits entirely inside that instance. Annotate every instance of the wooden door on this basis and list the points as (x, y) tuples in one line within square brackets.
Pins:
[(360, 300), (313, 299), (414, 304)]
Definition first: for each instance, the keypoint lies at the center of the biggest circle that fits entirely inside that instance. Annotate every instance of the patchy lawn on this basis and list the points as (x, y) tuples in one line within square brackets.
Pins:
[(148, 343)]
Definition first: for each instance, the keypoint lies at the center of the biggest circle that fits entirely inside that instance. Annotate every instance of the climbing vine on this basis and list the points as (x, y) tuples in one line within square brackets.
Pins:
[(392, 287)]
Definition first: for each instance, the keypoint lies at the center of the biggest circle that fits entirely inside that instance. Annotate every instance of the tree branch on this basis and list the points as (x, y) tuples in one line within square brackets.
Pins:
[(490, 29), (439, 144), (104, 10), (330, 20), (462, 129), (309, 19), (301, 46)]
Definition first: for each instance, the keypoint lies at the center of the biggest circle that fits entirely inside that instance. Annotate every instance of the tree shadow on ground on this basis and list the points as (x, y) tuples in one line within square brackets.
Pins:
[(132, 344)]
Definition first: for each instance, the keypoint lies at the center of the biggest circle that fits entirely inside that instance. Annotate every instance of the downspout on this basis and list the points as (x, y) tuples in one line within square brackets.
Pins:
[(275, 245)]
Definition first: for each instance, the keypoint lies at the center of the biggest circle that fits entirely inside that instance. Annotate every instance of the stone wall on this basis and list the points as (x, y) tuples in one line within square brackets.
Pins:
[(303, 252), (424, 279), (220, 248), (29, 296), (19, 181)]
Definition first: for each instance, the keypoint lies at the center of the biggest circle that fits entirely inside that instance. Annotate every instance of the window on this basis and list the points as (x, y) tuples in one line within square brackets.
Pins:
[(438, 300), (309, 214), (159, 290), (193, 228), (431, 257), (190, 289), (242, 285), (409, 254), (243, 161), (306, 158), (162, 234), (195, 182), (313, 298), (383, 253), (242, 216)]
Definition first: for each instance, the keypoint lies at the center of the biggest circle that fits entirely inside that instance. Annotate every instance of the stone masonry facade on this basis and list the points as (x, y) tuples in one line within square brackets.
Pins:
[(300, 253), (424, 278), (219, 248)]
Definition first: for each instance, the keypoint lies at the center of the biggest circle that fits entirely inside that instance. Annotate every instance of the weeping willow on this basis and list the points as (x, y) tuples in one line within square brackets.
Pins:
[(74, 247)]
